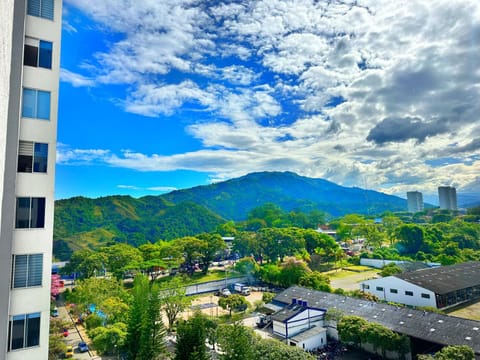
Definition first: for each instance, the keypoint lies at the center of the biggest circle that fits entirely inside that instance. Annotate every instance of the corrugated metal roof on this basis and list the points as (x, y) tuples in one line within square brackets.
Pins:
[(436, 328), (445, 279), (309, 333)]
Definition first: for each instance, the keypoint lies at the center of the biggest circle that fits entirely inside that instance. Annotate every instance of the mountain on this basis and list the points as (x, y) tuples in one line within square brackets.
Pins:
[(233, 199), (82, 222)]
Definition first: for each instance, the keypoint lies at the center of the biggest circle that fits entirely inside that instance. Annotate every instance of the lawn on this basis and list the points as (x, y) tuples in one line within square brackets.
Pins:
[(198, 277)]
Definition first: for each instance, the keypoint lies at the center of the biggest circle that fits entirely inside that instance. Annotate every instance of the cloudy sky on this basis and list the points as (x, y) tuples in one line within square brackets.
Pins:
[(380, 94)]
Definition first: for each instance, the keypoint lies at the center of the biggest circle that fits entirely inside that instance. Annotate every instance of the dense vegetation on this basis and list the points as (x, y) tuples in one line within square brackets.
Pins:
[(81, 222)]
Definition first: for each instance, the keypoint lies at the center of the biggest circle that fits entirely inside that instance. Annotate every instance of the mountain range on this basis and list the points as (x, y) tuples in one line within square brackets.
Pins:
[(82, 222)]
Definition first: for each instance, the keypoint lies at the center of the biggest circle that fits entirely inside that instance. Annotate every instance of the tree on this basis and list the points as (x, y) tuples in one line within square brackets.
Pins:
[(268, 297), (193, 250), (411, 237), (235, 341), (270, 349), (313, 240), (145, 332), (291, 271), (390, 269), (232, 302), (109, 339), (96, 291), (56, 347), (213, 245), (247, 244), (247, 266), (122, 257), (315, 280), (191, 337), (174, 299), (453, 352), (390, 224), (85, 263)]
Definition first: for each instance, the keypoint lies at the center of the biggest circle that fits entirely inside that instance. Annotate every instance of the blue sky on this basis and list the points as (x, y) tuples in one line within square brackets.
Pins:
[(162, 95)]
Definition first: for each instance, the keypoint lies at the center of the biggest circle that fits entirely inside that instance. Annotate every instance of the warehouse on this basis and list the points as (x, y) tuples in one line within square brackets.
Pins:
[(441, 287)]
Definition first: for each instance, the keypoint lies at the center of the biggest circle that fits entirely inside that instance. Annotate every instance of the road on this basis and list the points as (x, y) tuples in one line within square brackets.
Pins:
[(74, 334)]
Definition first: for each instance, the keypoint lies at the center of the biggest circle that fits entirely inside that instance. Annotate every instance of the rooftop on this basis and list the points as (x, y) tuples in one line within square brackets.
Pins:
[(445, 279), (436, 328), (307, 334)]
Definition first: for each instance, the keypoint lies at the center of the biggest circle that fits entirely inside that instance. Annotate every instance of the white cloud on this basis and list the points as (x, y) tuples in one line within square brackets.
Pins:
[(74, 79), (321, 88)]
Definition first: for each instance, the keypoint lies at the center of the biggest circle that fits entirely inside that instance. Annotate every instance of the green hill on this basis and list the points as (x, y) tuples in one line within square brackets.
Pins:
[(89, 223), (233, 199), (82, 222)]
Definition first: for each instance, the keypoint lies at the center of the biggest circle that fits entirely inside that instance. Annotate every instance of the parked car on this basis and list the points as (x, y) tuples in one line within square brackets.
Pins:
[(225, 292), (69, 351), (82, 347)]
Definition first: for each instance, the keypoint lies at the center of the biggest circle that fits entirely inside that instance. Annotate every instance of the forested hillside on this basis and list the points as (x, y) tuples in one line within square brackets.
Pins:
[(234, 199), (82, 222)]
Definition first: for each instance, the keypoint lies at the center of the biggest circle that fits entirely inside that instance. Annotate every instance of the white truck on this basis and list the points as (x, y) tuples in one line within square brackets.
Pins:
[(241, 288)]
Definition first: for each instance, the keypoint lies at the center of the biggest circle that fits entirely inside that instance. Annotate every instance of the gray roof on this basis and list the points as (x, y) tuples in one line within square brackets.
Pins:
[(436, 328), (445, 279), (288, 312), (307, 334)]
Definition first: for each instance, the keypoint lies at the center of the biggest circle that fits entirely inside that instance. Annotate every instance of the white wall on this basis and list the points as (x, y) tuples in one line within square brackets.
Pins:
[(392, 282), (302, 321), (317, 341)]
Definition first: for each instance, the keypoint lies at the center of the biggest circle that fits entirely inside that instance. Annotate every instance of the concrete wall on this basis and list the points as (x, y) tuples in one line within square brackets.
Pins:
[(12, 14)]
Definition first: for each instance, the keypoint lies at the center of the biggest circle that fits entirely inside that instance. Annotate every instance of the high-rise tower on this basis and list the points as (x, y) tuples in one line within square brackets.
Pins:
[(447, 196), (30, 32), (415, 201)]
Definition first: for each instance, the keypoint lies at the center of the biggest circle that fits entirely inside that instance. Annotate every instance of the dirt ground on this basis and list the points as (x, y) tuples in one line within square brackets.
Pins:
[(208, 304), (471, 312)]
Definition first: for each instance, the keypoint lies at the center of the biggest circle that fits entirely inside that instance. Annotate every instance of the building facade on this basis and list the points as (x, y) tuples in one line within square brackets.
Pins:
[(414, 201), (30, 32), (439, 287), (301, 325), (447, 197)]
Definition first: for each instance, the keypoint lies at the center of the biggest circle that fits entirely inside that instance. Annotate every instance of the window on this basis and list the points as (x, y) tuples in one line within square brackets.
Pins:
[(366, 286), (379, 288), (425, 296), (37, 53), (394, 291), (36, 104), (23, 331), (40, 8), (27, 270), (32, 157), (30, 213), (409, 293)]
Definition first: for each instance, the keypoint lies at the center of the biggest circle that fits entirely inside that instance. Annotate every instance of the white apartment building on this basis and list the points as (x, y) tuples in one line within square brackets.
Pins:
[(414, 201), (30, 32), (447, 196)]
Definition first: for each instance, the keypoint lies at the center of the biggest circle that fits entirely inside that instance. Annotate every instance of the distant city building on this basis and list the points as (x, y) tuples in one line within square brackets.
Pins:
[(447, 196), (415, 201)]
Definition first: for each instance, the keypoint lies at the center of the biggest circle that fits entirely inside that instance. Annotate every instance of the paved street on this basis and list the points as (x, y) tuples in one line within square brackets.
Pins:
[(74, 335)]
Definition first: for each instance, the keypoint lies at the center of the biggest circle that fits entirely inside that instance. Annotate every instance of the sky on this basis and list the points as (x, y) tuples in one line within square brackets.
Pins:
[(163, 95)]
